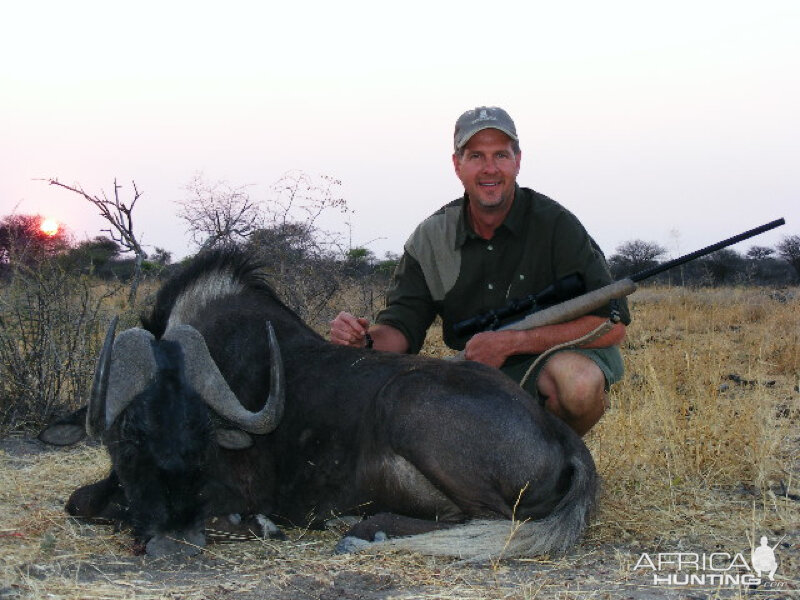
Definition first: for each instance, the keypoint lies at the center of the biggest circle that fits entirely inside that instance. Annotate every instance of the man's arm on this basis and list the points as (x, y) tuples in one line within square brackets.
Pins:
[(347, 330), (494, 347)]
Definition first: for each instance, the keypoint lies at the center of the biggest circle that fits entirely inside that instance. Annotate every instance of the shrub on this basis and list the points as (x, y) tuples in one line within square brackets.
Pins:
[(51, 323)]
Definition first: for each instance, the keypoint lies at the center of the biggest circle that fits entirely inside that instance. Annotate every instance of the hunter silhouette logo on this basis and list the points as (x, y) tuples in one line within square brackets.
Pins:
[(763, 559)]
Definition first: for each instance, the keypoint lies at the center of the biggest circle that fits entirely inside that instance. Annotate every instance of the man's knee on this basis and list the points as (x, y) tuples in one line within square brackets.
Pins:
[(573, 375), (573, 387)]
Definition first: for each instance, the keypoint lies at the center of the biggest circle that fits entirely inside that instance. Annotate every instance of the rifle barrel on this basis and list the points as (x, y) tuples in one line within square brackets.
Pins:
[(707, 250)]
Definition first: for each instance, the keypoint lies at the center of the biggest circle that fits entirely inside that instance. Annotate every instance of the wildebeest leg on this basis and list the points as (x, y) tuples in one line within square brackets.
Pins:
[(517, 462), (393, 526), (382, 526), (103, 500)]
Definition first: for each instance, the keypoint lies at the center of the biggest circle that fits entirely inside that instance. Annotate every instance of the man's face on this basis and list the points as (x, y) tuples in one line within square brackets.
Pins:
[(488, 169)]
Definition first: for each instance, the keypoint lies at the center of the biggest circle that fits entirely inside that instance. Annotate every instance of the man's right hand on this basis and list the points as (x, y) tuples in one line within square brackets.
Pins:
[(347, 330)]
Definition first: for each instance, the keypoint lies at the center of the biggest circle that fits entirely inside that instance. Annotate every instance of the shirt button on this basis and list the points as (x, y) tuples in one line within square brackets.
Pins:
[(490, 286), (490, 247), (522, 276)]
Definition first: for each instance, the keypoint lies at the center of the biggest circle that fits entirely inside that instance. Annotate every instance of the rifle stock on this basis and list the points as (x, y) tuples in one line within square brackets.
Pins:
[(576, 307), (571, 309)]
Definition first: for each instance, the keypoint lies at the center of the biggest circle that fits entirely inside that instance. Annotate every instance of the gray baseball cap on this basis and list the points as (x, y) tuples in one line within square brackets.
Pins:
[(478, 119)]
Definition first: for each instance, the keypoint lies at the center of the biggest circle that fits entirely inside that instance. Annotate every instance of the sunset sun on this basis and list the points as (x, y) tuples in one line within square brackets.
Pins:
[(49, 226)]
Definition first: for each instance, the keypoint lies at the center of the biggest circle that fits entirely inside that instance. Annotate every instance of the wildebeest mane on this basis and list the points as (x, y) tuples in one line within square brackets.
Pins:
[(216, 273)]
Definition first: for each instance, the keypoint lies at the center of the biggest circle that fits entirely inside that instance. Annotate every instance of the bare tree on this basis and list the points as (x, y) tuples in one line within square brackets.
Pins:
[(120, 217), (297, 191), (303, 256), (291, 230), (284, 231), (218, 214)]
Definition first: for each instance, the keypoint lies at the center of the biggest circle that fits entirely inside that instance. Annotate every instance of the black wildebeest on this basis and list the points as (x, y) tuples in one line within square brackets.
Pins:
[(453, 452)]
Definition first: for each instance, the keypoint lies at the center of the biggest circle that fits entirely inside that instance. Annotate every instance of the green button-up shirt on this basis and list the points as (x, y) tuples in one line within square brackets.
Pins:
[(448, 270)]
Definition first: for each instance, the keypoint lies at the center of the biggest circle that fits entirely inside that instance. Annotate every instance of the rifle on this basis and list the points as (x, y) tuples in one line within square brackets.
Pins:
[(585, 303), (565, 288)]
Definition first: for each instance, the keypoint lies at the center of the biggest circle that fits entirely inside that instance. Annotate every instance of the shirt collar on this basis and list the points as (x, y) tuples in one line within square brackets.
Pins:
[(514, 220)]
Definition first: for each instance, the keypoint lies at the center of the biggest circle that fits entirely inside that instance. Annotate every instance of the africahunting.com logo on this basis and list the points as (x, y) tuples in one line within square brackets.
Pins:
[(719, 569)]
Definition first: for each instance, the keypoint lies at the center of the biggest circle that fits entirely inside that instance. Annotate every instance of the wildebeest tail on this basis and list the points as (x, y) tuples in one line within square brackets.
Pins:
[(488, 539)]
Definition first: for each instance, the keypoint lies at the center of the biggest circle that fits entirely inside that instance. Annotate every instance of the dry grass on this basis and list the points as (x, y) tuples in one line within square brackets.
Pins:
[(709, 409), (690, 458)]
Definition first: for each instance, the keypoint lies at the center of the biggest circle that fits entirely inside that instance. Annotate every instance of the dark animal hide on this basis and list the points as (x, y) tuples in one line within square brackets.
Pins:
[(453, 454)]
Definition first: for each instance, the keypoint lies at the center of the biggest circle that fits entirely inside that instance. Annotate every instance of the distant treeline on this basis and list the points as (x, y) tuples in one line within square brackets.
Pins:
[(761, 265), (101, 258), (725, 267), (293, 249)]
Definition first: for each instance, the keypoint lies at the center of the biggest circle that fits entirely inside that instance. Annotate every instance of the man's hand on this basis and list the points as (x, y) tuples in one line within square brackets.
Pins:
[(490, 347), (347, 330), (494, 347)]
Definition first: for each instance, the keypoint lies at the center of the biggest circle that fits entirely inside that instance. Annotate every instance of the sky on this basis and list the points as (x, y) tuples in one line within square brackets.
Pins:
[(676, 123)]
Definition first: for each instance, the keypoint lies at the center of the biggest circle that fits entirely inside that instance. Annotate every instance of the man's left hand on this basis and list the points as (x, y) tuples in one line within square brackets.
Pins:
[(490, 347)]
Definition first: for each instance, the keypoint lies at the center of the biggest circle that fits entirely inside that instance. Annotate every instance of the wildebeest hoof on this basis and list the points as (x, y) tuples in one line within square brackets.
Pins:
[(269, 529), (175, 544), (236, 528), (350, 544)]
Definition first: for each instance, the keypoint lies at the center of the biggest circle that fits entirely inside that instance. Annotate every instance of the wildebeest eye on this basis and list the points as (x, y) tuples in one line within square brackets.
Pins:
[(233, 439), (305, 436)]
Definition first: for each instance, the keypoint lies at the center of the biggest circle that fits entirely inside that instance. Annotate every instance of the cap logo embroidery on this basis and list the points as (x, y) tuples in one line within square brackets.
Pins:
[(484, 116)]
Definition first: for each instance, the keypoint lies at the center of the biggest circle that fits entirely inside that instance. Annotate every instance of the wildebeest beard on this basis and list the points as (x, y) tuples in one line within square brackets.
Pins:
[(161, 466)]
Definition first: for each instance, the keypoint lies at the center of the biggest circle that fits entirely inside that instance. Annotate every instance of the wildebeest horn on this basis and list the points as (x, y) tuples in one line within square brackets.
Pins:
[(134, 366), (95, 413), (204, 376), (124, 369)]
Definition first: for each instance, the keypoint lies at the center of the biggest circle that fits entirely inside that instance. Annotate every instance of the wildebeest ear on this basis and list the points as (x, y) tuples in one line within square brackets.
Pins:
[(65, 431), (234, 439)]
